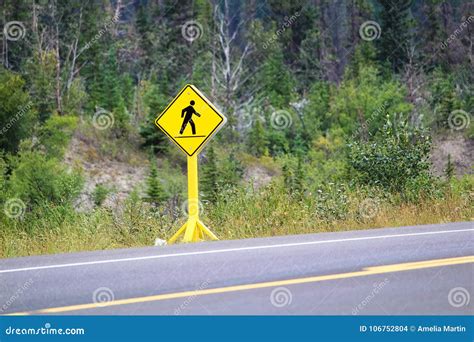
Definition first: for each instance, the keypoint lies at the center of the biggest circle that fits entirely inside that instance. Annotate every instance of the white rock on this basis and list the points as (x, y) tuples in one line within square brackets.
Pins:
[(160, 242)]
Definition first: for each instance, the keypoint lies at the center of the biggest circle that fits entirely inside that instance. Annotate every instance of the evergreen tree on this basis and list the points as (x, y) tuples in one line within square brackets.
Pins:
[(231, 171), (93, 47), (276, 79), (395, 36), (449, 171), (287, 177), (154, 103), (155, 193), (106, 90), (299, 177), (444, 98), (17, 113), (210, 176), (433, 35), (257, 140), (40, 70), (145, 31)]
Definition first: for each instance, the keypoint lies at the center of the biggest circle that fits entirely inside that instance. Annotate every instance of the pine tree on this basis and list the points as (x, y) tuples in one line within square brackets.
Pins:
[(154, 102), (449, 171), (210, 176), (106, 92), (232, 171), (155, 193), (92, 56), (276, 79), (145, 32), (257, 141), (395, 35), (17, 114), (40, 70), (287, 177), (299, 177)]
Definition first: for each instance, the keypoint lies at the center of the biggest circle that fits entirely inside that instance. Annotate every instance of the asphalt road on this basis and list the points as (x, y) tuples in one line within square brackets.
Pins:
[(391, 271)]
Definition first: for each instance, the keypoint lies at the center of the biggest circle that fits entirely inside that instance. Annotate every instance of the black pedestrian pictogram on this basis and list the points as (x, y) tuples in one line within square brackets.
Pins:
[(187, 113)]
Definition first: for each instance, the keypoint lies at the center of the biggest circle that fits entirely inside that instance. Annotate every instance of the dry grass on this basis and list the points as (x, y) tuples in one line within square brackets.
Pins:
[(268, 213), (291, 218)]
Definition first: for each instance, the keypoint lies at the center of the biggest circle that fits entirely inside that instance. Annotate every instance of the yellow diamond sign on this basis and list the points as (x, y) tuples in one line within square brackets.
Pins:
[(190, 120)]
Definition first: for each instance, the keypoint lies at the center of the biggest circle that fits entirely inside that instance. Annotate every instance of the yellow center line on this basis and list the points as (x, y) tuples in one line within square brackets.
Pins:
[(365, 272)]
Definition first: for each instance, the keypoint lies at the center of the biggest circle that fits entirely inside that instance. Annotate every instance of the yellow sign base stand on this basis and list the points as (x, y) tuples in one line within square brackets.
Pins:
[(194, 230)]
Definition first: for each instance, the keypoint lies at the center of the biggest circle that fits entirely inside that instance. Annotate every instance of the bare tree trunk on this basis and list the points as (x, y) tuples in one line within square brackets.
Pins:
[(5, 46), (58, 74), (230, 72)]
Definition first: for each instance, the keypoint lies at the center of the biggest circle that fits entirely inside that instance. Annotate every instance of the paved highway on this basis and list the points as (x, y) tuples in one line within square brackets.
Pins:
[(391, 271)]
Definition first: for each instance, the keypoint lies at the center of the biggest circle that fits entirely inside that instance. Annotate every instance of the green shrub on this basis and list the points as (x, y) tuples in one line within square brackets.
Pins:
[(331, 202), (75, 97), (394, 159), (38, 180), (55, 133), (100, 193)]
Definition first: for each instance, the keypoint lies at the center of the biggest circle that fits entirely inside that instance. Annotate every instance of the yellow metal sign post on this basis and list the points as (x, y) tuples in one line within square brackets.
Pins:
[(190, 121)]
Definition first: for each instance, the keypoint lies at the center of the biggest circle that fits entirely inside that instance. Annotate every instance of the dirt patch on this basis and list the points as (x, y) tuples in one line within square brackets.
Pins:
[(121, 177), (258, 176), (459, 147)]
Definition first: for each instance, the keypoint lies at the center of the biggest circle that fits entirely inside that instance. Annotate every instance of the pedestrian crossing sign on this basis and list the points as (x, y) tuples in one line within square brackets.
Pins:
[(190, 120)]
